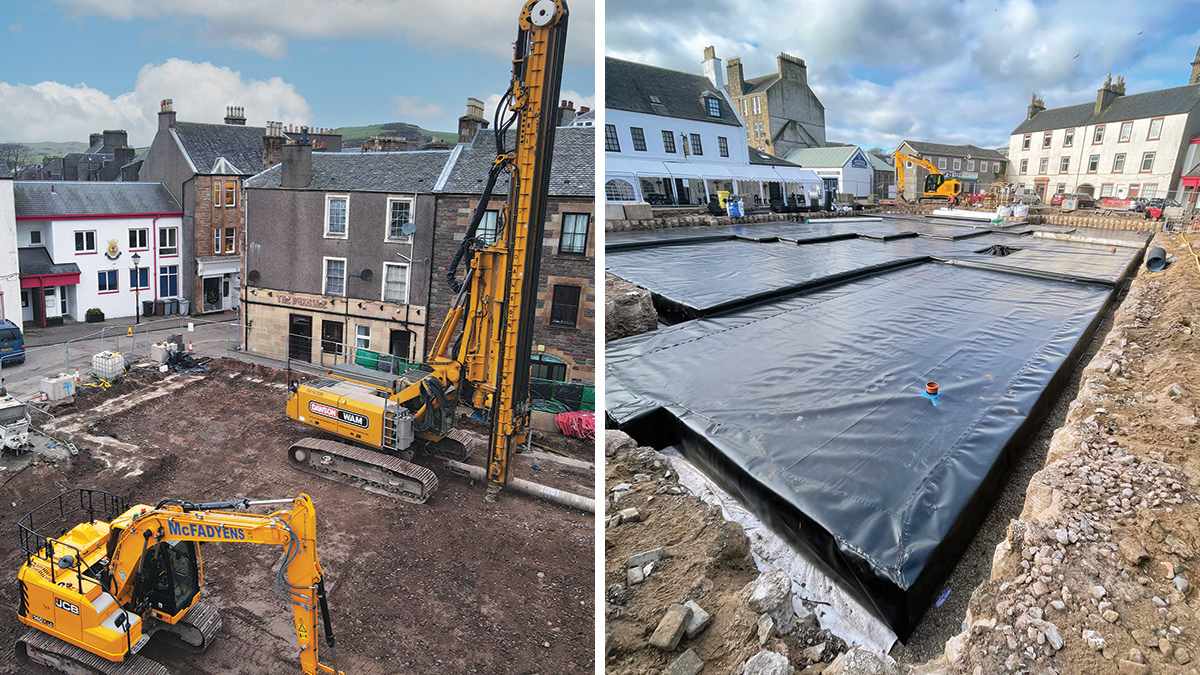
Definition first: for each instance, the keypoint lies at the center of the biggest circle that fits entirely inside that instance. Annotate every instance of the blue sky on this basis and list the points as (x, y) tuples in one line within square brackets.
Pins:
[(950, 71), (77, 66)]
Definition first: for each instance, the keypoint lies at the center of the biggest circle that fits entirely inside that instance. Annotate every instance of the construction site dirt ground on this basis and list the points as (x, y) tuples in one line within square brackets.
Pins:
[(453, 585)]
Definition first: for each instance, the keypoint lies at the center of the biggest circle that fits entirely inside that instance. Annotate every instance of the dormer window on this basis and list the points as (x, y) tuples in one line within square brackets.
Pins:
[(712, 106)]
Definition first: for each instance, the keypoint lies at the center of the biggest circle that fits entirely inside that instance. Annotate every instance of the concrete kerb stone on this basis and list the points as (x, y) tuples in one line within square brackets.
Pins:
[(671, 628)]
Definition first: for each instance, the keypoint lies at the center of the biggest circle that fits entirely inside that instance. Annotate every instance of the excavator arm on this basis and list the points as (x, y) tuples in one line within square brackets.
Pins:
[(300, 580), (949, 192)]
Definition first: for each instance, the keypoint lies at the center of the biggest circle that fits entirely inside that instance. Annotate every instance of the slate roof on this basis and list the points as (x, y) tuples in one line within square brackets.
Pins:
[(241, 146), (36, 261), (836, 156), (629, 86), (879, 164), (90, 198), (415, 171), (954, 150), (572, 171), (1174, 101), (765, 158), (756, 84)]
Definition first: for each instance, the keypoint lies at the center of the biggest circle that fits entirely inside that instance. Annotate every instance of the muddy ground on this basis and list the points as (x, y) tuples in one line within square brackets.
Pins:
[(453, 585)]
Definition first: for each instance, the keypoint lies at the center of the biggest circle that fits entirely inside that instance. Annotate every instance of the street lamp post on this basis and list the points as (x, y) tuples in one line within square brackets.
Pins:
[(137, 288)]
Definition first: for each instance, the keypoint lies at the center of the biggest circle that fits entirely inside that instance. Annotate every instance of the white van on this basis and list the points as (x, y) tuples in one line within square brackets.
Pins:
[(1024, 195)]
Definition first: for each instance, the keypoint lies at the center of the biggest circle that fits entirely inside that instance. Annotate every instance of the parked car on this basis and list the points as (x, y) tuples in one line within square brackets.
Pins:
[(12, 343), (1153, 208), (1081, 200), (1025, 196)]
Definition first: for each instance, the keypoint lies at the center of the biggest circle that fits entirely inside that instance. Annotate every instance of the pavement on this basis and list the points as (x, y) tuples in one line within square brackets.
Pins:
[(72, 330)]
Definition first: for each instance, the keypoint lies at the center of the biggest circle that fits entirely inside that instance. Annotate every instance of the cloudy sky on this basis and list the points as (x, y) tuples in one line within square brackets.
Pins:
[(72, 67), (936, 70)]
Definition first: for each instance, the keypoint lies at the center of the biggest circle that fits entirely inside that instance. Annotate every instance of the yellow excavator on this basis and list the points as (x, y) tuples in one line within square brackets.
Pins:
[(937, 187), (94, 594), (481, 356)]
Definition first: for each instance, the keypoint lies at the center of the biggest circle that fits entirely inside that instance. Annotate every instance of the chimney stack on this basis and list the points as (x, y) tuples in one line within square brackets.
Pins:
[(737, 78), (712, 68), (1108, 93), (166, 115), (272, 144), (93, 139), (792, 68), (115, 138), (1195, 78), (566, 113), (472, 122), (1036, 105), (235, 115), (123, 155), (297, 170)]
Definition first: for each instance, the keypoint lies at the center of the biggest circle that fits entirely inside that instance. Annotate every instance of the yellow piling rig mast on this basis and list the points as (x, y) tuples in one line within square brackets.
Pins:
[(481, 355)]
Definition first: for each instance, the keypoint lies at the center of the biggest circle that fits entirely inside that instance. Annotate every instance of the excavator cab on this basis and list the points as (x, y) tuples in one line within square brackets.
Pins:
[(933, 181), (172, 577)]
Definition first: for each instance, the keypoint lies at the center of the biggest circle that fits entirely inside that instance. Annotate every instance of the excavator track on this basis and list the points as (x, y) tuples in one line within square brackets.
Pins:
[(372, 471), (194, 633), (45, 653)]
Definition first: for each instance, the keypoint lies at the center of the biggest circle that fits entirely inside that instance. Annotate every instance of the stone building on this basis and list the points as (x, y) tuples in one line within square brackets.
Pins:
[(781, 112), (107, 152), (1119, 146), (204, 165)]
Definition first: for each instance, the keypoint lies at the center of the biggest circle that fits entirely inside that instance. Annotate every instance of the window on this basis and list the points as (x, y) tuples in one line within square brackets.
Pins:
[(138, 239), (639, 138), (564, 308), (85, 242), (1064, 165), (1093, 163), (1133, 191), (543, 367), (216, 240), (167, 241), (1126, 131), (957, 164), (395, 283), (1043, 164), (335, 276), (1148, 191), (668, 142), (697, 149), (107, 282), (139, 279), (942, 163), (1068, 138), (1147, 162), (1025, 141), (24, 298), (611, 144), (230, 193), (756, 105), (1098, 135), (1046, 139), (723, 146), (487, 229), (744, 112), (1106, 190), (362, 337), (35, 236), (331, 337), (758, 130), (1119, 163), (231, 240), (617, 190), (1062, 187), (399, 214), (996, 167), (1155, 129), (336, 209), (574, 233), (1024, 165), (168, 281), (970, 165), (712, 106)]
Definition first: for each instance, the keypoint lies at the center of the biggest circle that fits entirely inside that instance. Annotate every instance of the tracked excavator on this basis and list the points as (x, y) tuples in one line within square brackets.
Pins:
[(481, 356), (94, 594), (937, 187)]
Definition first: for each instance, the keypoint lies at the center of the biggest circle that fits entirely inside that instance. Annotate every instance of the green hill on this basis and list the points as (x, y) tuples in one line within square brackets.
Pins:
[(354, 136), (54, 148)]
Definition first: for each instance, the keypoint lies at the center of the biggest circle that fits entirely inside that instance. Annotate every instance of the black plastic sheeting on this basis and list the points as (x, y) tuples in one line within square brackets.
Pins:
[(810, 406)]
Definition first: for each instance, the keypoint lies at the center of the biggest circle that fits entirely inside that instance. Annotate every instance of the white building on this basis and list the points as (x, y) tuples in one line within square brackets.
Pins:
[(1122, 146), (842, 167), (10, 282), (76, 242), (672, 138)]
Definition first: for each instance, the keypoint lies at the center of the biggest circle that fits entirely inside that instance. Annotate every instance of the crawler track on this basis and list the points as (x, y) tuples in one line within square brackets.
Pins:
[(43, 653), (367, 469)]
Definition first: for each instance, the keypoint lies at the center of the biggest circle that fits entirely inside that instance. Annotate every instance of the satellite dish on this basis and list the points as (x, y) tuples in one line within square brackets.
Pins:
[(253, 276), (366, 275), (408, 228)]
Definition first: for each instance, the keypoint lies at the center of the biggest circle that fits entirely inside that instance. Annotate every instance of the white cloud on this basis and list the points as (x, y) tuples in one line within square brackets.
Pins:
[(483, 26), (580, 101), (412, 108), (15, 29), (200, 91)]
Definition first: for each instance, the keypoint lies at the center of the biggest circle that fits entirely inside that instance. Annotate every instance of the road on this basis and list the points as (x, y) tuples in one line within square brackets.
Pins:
[(24, 380)]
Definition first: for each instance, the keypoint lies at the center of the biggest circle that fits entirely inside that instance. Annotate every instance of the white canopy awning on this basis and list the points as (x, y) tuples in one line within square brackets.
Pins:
[(616, 165)]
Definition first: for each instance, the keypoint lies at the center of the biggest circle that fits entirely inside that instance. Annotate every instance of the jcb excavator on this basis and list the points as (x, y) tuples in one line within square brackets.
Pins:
[(937, 187), (95, 593), (482, 352)]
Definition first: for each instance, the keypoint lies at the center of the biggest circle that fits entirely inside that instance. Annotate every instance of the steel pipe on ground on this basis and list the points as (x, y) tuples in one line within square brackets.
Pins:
[(528, 487)]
